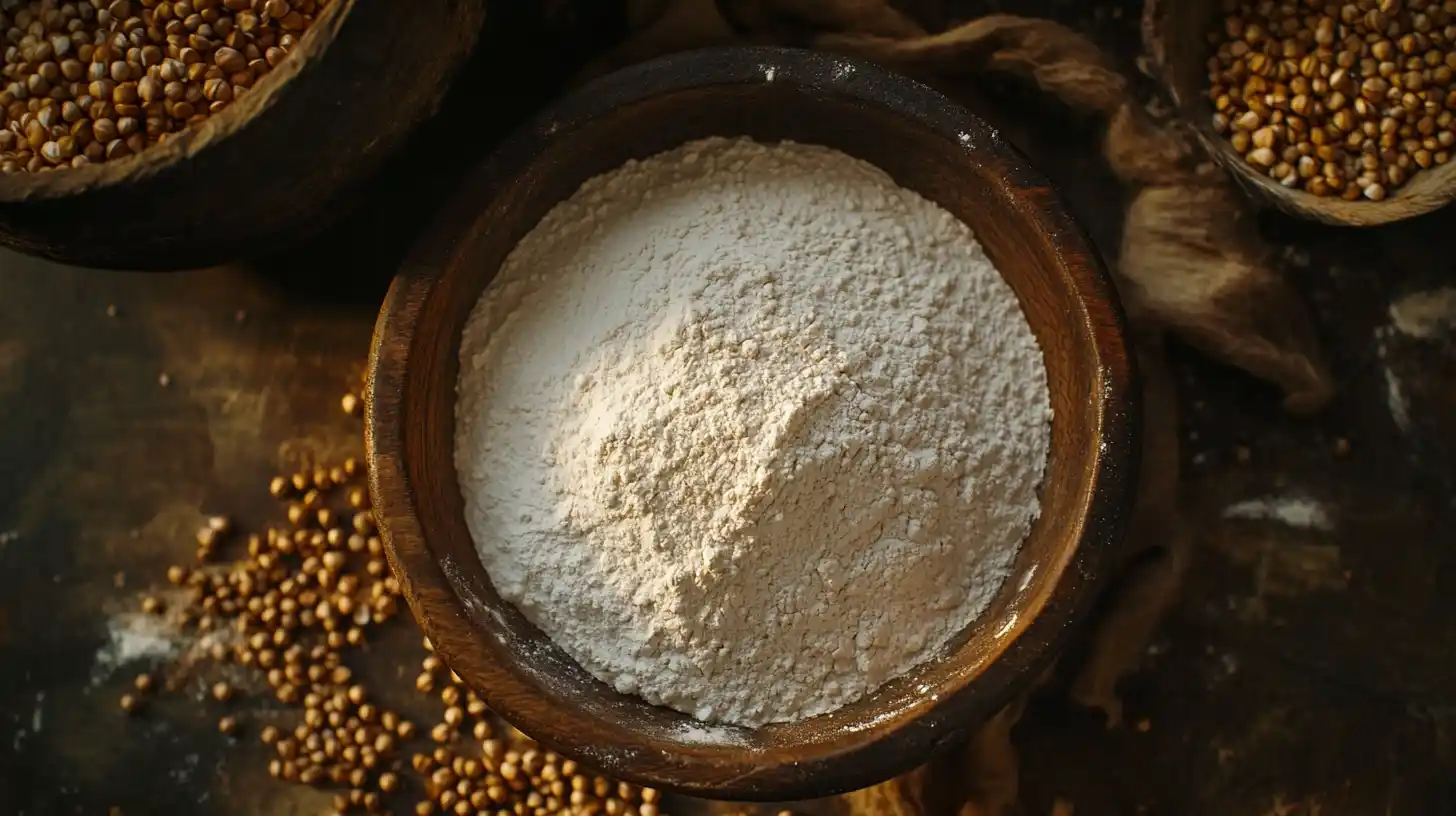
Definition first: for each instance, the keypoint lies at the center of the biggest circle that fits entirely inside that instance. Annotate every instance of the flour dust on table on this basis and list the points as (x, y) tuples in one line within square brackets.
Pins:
[(749, 430)]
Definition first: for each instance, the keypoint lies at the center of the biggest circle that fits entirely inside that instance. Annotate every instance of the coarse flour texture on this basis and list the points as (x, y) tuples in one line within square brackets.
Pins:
[(749, 430)]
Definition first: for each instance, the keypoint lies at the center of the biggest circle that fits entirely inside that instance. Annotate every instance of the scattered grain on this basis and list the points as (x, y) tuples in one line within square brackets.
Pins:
[(298, 598)]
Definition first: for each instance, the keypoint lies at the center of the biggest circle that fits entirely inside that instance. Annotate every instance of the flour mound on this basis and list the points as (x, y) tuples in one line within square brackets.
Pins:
[(749, 430)]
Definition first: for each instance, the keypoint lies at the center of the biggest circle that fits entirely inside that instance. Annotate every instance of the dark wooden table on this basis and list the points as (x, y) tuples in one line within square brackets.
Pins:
[(1310, 667)]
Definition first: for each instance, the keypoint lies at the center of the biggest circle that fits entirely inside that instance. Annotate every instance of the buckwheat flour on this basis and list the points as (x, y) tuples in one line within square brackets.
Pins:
[(749, 430)]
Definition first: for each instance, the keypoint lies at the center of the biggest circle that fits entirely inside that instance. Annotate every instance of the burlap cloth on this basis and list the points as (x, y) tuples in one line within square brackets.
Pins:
[(1190, 265)]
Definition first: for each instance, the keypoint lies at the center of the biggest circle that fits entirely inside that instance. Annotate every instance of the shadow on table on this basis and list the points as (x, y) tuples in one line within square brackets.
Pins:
[(521, 63)]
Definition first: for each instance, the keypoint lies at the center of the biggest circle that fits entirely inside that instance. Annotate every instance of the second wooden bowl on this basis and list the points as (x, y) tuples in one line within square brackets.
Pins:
[(1175, 33), (927, 144), (277, 164)]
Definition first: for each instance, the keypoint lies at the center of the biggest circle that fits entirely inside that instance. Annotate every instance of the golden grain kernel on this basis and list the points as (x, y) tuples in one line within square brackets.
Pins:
[(1262, 156)]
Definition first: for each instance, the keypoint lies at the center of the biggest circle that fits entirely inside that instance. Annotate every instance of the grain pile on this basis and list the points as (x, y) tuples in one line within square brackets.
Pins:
[(1346, 99), (291, 611), (95, 80)]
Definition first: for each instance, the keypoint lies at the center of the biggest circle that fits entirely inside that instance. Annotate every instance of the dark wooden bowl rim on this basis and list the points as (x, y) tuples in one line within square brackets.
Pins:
[(882, 748), (70, 181)]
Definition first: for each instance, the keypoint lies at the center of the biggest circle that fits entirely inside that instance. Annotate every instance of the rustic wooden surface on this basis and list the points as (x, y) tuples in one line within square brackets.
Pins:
[(1307, 670)]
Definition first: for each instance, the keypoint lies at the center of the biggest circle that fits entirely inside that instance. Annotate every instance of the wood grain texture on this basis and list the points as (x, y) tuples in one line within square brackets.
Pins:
[(280, 162), (1175, 34), (927, 144)]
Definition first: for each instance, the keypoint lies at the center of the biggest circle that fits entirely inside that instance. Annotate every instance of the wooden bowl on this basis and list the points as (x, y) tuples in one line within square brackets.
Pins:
[(280, 162), (1175, 34), (927, 144)]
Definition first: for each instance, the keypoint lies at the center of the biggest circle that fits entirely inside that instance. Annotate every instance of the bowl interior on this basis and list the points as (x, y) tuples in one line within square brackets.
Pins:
[(928, 145)]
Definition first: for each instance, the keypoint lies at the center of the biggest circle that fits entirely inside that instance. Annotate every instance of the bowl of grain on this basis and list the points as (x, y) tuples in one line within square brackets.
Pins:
[(182, 133), (1343, 112), (754, 424)]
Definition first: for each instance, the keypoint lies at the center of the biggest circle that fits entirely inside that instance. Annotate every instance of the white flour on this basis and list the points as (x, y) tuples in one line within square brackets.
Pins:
[(750, 430), (1293, 511), (133, 637)]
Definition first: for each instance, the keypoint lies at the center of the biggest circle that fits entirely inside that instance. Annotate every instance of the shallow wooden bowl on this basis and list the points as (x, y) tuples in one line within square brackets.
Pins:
[(926, 143), (1175, 34), (276, 164)]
